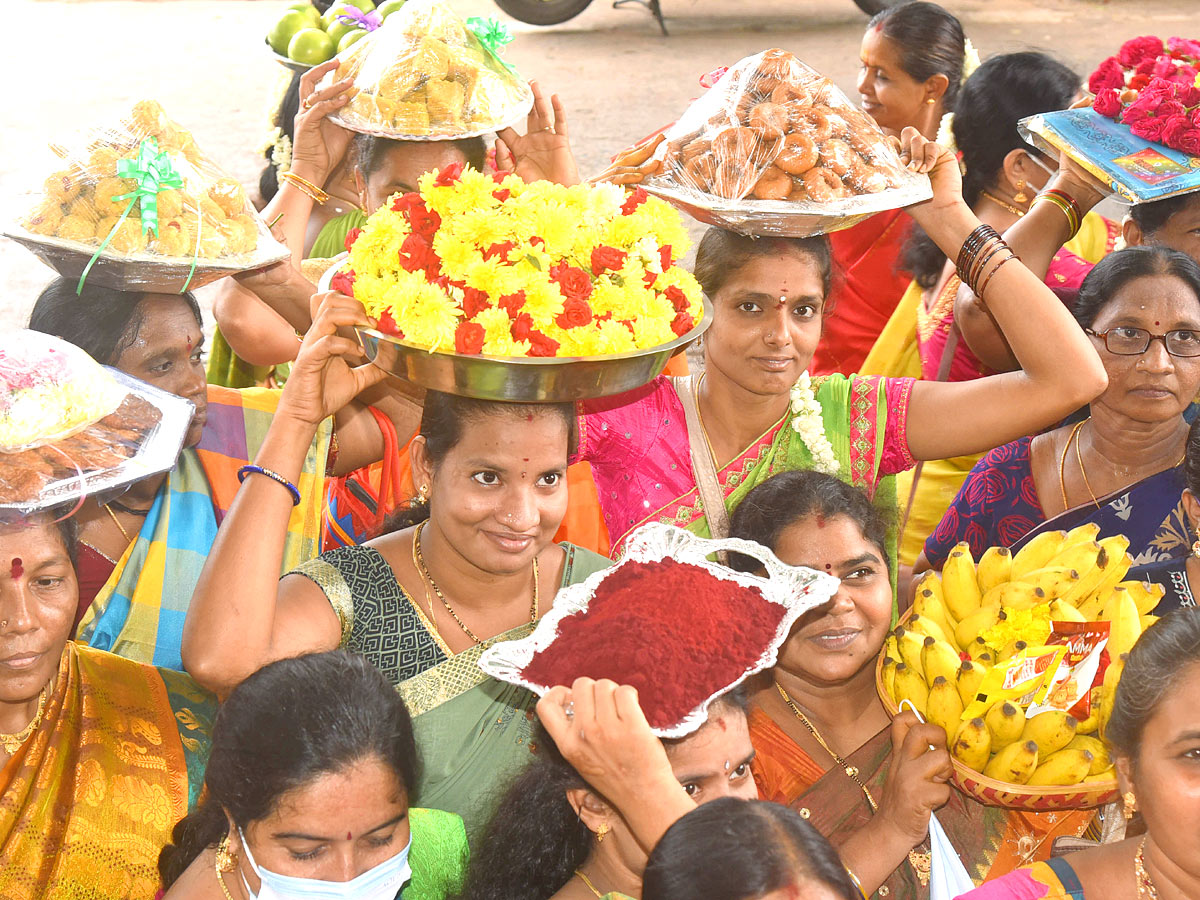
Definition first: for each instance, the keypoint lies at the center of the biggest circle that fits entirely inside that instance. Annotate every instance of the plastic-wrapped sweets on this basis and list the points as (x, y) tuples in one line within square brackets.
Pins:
[(70, 427), (428, 75), (139, 206), (775, 148)]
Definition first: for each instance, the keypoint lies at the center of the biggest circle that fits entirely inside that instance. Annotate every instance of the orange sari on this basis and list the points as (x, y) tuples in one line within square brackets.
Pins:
[(87, 803), (991, 841)]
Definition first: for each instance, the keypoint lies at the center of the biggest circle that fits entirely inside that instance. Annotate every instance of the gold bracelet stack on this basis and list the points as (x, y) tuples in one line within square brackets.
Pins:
[(318, 196), (1067, 204), (978, 251)]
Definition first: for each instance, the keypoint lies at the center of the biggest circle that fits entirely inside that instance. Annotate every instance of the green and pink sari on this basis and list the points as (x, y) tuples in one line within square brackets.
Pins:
[(637, 445)]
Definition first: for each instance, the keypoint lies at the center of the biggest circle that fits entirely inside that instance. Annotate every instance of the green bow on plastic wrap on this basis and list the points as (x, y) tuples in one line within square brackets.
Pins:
[(493, 34), (153, 171)]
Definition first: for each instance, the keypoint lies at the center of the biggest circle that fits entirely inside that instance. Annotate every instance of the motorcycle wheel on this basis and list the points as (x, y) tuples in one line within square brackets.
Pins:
[(546, 12), (870, 7)]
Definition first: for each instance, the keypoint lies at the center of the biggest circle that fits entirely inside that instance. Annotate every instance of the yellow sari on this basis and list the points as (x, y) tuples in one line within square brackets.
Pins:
[(89, 800)]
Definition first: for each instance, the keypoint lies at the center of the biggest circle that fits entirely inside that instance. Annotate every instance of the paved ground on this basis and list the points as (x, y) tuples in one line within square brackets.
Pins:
[(72, 63)]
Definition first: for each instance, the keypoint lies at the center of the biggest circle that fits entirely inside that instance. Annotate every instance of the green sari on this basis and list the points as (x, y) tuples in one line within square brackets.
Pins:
[(473, 732)]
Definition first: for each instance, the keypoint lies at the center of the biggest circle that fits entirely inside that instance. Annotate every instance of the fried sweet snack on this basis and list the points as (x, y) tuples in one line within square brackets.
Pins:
[(771, 130), (427, 75), (84, 199)]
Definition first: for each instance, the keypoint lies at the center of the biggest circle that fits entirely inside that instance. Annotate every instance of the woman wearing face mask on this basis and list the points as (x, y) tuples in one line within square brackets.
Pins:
[(824, 742), (660, 453), (1122, 466), (473, 562), (913, 58), (1154, 736), (1002, 178), (307, 794), (738, 850), (554, 836)]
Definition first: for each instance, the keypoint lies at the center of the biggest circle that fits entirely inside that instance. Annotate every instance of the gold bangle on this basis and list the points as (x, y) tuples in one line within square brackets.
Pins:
[(857, 883), (318, 196), (1073, 222)]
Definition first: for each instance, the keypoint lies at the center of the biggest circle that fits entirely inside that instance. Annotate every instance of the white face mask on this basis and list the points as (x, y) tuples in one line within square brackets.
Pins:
[(383, 882)]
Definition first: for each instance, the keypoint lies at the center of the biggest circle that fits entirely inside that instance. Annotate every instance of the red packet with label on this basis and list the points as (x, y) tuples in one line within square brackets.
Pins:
[(1081, 669)]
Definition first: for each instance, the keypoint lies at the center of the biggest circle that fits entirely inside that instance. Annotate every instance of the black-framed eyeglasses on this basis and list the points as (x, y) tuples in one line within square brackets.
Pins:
[(1127, 341)]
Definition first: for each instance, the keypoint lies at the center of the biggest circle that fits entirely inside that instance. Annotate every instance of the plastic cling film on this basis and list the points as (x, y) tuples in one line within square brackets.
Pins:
[(1023, 679), (773, 147), (135, 204), (1081, 669), (427, 75)]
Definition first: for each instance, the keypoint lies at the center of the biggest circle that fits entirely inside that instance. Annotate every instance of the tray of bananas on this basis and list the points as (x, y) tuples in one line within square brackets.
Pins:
[(1018, 657)]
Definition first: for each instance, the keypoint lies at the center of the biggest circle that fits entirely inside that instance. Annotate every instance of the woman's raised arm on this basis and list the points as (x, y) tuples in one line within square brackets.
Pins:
[(241, 616), (1060, 369)]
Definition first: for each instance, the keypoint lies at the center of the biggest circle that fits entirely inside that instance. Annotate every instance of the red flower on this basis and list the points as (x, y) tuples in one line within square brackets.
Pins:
[(535, 240), (665, 257), (1181, 134), (522, 327), (421, 219), (449, 175), (1146, 67), (604, 257), (351, 237), (1189, 142), (1135, 112), (1137, 49), (402, 203), (502, 195), (633, 201), (468, 338), (1137, 82), (1109, 74), (576, 313), (678, 298), (1149, 128), (1108, 103), (499, 177), (649, 278), (474, 302), (682, 324), (343, 283), (388, 325), (500, 250), (512, 303), (540, 345), (1184, 47), (573, 282), (416, 254)]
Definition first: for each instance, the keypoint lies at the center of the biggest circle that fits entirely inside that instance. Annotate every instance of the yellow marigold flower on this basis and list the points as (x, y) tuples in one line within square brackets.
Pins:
[(1029, 625), (495, 321)]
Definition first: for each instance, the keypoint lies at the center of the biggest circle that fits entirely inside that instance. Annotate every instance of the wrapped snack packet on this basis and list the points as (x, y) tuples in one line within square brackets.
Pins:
[(428, 75), (70, 427), (1081, 669), (136, 205), (1023, 679), (775, 148)]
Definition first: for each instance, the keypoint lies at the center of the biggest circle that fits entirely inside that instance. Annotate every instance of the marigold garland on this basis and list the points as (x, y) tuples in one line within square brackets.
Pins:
[(479, 264)]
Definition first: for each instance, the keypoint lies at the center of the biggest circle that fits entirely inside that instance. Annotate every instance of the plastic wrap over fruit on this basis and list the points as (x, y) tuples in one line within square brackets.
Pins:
[(70, 427), (137, 205), (428, 75), (775, 148)]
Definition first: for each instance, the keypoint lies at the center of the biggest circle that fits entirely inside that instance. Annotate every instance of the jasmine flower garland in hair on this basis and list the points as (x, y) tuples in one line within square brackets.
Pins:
[(806, 422)]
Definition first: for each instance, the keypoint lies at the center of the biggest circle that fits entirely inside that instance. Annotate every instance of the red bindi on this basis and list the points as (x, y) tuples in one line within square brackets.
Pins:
[(828, 567), (820, 521), (529, 417), (349, 836), (17, 568)]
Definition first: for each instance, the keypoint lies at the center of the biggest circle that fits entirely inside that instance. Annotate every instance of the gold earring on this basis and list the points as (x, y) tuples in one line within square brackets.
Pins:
[(423, 494), (603, 830), (1130, 804), (1020, 196), (931, 101), (224, 859)]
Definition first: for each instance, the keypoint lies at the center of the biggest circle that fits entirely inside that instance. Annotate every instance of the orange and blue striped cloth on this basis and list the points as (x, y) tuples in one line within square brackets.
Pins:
[(139, 612)]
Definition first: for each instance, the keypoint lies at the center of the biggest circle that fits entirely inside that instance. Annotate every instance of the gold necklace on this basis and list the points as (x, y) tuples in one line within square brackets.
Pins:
[(12, 742), (1062, 464), (533, 607), (117, 522), (1015, 210), (1083, 471), (921, 863), (700, 416), (1145, 884), (587, 881), (221, 882)]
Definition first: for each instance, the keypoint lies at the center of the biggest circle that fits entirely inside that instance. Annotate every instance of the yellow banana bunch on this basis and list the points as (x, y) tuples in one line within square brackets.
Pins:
[(945, 707), (1099, 750), (1050, 730), (970, 676), (1145, 595), (1015, 764), (910, 645), (960, 584), (938, 659), (1019, 595), (1125, 623), (927, 627), (1147, 621), (1052, 581), (1109, 689), (928, 604), (889, 676), (1109, 775), (1062, 611), (911, 686), (1092, 723), (1005, 722), (1081, 534), (1037, 553), (972, 744), (1066, 766), (973, 624), (995, 568)]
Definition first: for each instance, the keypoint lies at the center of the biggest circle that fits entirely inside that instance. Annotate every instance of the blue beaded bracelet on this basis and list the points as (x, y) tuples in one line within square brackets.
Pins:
[(274, 476)]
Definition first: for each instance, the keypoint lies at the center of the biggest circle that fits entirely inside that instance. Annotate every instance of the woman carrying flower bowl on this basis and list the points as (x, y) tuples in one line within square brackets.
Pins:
[(472, 562), (755, 412)]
